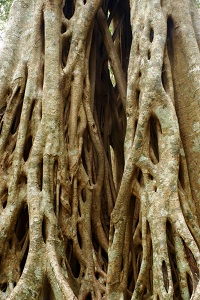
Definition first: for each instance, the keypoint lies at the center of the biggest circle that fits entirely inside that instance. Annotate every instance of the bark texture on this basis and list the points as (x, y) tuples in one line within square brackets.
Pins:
[(100, 150)]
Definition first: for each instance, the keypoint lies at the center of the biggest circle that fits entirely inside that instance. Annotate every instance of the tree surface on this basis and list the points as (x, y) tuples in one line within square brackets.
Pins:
[(100, 150)]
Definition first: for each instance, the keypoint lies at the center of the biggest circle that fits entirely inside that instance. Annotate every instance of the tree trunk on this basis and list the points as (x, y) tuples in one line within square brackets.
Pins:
[(100, 150)]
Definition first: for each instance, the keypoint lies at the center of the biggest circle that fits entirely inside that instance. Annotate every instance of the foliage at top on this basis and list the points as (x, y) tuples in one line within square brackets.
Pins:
[(4, 9)]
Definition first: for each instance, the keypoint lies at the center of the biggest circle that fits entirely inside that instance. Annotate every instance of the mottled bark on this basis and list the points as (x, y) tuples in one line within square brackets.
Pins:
[(100, 150)]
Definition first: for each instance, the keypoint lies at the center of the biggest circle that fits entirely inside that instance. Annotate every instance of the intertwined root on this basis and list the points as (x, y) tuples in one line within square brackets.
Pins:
[(87, 212), (163, 208)]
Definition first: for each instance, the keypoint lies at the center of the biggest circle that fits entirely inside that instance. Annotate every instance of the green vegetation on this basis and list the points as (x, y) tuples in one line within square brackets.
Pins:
[(4, 9), (4, 13)]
